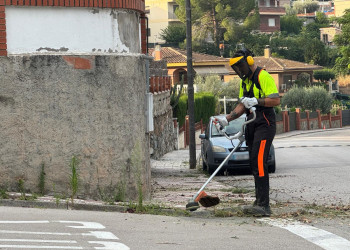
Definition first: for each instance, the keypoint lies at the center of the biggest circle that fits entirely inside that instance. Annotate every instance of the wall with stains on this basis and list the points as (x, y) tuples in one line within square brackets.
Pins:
[(71, 30), (54, 107)]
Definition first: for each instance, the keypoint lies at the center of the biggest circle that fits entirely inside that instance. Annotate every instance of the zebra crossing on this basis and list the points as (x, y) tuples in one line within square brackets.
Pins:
[(71, 235)]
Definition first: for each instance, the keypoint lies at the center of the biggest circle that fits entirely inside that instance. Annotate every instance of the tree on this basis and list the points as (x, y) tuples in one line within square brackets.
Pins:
[(291, 24), (218, 88), (303, 80), (289, 47), (322, 19), (307, 6), (324, 75), (315, 52), (209, 15), (342, 41), (174, 33)]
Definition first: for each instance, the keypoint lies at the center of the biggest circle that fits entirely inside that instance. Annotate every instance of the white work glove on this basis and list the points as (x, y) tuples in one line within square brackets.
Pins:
[(249, 102), (220, 123)]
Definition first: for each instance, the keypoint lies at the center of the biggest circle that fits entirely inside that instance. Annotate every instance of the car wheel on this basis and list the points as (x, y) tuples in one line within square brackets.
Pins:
[(210, 170), (272, 167), (204, 165)]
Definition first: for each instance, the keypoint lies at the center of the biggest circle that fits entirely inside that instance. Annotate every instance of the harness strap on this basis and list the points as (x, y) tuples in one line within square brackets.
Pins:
[(255, 80)]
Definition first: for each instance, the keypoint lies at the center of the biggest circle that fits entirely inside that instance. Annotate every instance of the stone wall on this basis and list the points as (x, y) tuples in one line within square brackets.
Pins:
[(164, 137), (54, 107)]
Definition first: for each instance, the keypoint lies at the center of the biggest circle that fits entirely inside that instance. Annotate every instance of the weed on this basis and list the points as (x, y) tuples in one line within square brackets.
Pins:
[(228, 213), (3, 194), (120, 196), (107, 196), (237, 190), (42, 179), (20, 186), (156, 209), (136, 157), (74, 178), (241, 191)]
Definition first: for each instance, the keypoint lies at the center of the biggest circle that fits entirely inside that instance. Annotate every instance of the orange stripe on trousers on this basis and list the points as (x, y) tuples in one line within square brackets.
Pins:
[(261, 158)]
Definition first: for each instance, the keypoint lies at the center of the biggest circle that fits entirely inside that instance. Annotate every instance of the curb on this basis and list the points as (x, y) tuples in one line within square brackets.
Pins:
[(52, 205), (283, 135)]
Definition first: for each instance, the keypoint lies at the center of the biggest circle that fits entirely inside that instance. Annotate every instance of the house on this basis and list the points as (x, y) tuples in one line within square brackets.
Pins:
[(160, 14), (203, 64), (340, 6), (270, 12), (328, 34), (284, 71)]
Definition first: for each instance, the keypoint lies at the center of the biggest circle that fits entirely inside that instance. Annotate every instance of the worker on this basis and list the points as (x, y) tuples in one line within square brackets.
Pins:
[(257, 89)]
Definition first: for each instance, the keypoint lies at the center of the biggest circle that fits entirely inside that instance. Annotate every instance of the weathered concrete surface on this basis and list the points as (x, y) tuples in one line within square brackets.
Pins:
[(43, 29), (55, 107)]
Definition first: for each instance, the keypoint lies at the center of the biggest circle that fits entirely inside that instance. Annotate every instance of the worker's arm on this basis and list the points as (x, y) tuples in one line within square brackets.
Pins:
[(237, 112), (269, 102)]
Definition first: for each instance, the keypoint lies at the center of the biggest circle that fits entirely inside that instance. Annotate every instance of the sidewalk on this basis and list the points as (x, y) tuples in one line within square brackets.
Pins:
[(174, 184)]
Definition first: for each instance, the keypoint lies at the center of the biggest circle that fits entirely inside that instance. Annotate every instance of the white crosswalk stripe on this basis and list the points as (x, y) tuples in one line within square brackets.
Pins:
[(96, 239), (322, 238)]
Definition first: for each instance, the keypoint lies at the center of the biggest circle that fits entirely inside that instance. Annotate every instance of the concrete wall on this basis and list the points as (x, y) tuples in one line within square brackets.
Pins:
[(71, 30), (55, 107)]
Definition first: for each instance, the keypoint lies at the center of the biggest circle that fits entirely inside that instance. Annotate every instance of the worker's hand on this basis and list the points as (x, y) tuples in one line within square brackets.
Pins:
[(220, 123), (249, 102)]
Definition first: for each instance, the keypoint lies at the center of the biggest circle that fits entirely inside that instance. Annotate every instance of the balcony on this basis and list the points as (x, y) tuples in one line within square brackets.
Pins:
[(172, 16), (280, 11)]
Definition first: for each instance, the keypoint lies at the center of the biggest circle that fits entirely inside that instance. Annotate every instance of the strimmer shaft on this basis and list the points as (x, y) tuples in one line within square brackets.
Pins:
[(218, 169)]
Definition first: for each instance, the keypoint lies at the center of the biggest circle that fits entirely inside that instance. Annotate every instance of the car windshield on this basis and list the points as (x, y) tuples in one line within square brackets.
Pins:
[(233, 127)]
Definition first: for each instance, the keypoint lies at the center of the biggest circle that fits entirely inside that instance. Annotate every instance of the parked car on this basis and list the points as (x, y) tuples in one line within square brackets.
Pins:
[(215, 148)]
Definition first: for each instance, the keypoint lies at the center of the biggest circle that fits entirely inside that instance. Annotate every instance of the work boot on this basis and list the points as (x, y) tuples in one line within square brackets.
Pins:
[(257, 211)]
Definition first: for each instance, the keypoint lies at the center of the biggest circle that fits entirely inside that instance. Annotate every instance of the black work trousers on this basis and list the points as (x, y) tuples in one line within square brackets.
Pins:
[(259, 136)]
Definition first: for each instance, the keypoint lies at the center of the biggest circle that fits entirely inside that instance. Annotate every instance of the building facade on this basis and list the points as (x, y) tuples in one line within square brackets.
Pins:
[(160, 14)]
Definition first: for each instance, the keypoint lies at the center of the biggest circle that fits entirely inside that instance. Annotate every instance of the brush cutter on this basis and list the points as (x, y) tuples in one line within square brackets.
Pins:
[(201, 197)]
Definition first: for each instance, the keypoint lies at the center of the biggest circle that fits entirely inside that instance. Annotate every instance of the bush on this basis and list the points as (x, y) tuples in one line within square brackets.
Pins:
[(324, 75), (181, 110), (295, 97), (204, 107), (318, 98), (312, 98), (204, 104)]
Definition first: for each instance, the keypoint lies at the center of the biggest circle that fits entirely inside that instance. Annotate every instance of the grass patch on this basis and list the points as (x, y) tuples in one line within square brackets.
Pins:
[(237, 190), (3, 194), (223, 213), (155, 209)]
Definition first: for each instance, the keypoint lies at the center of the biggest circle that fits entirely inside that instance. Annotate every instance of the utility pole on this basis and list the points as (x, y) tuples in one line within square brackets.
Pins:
[(190, 90)]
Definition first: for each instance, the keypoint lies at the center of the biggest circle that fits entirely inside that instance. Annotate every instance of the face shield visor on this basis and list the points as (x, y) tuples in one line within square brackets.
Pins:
[(241, 67)]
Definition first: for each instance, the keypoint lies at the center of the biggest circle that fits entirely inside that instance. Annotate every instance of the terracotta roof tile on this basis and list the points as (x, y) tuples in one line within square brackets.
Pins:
[(175, 55), (271, 64)]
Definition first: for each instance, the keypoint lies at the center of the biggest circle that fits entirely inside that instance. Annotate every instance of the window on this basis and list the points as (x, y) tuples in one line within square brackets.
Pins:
[(175, 7), (287, 83), (272, 22), (325, 38), (171, 11)]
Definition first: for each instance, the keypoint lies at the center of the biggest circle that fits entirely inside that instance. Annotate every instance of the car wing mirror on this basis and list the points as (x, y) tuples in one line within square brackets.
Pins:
[(202, 136)]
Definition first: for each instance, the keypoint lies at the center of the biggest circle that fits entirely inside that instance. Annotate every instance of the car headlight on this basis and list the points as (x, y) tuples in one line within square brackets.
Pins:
[(218, 149)]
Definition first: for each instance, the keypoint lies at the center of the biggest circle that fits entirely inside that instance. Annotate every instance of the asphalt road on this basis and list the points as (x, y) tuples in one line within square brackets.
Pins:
[(25, 228), (314, 167)]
